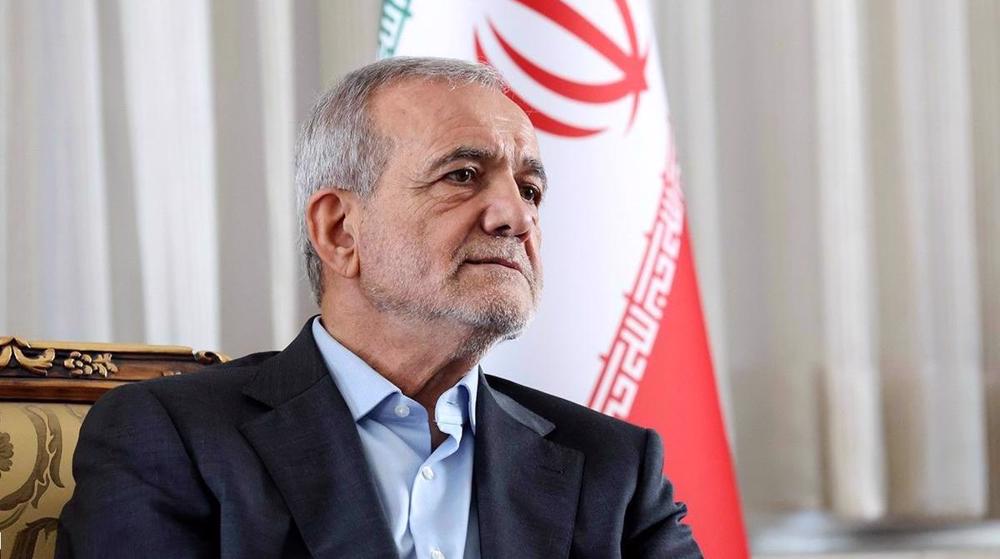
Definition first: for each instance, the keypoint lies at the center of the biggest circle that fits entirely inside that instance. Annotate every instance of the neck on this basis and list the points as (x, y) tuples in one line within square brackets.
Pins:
[(423, 359)]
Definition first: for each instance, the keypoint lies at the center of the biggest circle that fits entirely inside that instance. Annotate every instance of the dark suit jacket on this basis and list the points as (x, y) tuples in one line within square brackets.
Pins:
[(260, 457)]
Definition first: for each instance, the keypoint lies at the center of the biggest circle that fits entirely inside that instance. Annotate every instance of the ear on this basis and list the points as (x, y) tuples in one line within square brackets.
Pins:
[(332, 217)]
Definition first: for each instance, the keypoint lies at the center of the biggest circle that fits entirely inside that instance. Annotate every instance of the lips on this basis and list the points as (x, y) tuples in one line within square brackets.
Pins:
[(500, 261)]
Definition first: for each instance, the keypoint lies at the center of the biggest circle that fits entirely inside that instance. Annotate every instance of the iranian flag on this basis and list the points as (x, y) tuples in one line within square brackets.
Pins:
[(620, 326)]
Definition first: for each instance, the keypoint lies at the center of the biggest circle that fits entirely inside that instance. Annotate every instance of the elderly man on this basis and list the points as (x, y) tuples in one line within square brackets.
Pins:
[(375, 434)]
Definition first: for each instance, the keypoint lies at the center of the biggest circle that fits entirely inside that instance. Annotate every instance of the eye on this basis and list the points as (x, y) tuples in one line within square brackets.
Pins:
[(531, 193), (464, 175)]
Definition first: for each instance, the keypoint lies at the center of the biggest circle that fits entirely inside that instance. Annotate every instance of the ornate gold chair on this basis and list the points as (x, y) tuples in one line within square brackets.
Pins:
[(46, 389)]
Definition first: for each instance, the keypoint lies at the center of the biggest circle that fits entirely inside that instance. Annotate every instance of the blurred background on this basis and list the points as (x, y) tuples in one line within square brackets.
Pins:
[(841, 160)]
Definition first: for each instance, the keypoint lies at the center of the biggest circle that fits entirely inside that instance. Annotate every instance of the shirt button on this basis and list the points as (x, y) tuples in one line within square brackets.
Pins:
[(402, 410), (436, 554), (428, 474)]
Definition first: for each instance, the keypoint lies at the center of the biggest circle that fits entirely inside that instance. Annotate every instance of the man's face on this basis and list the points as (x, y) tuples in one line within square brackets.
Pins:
[(452, 230)]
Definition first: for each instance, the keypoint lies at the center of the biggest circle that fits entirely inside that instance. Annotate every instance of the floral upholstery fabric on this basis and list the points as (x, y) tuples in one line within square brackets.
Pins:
[(36, 478)]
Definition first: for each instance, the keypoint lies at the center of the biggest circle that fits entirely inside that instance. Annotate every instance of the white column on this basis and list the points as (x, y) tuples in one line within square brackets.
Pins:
[(854, 451), (57, 221), (6, 46), (929, 310), (168, 78), (984, 57), (278, 83), (348, 36), (246, 319), (22, 254), (770, 244), (685, 33), (125, 256)]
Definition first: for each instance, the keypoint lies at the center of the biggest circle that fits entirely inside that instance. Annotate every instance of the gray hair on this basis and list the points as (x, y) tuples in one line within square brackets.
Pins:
[(340, 146)]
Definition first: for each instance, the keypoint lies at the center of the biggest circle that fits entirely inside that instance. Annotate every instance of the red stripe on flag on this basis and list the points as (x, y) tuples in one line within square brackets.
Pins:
[(658, 373), (678, 398)]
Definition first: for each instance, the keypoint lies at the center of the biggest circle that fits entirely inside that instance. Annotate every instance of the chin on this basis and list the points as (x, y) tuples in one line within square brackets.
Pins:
[(492, 318), (506, 322), (500, 307)]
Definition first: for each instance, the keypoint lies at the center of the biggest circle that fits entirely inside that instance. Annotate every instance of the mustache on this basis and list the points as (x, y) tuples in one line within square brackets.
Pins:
[(507, 252)]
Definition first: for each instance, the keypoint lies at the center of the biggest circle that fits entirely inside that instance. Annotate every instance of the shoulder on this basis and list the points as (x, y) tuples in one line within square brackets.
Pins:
[(559, 410), (576, 425), (214, 391), (215, 378)]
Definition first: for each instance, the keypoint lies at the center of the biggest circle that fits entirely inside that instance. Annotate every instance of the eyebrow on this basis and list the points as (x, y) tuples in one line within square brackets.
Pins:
[(537, 169), (464, 152), (533, 164)]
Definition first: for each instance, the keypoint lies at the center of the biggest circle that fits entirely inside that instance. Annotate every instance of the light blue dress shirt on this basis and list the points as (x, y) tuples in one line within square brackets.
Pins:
[(426, 494)]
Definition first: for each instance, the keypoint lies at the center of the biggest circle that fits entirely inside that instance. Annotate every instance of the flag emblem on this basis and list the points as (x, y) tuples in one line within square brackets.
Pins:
[(630, 62)]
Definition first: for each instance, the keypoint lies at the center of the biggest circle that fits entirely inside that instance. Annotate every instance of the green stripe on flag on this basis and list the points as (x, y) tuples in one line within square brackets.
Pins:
[(394, 16)]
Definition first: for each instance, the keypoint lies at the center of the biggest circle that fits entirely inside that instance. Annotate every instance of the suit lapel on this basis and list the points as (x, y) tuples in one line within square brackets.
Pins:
[(311, 448), (527, 487)]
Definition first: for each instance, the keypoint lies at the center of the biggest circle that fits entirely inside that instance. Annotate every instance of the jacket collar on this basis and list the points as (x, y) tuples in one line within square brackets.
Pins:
[(526, 487), (311, 448), (288, 373)]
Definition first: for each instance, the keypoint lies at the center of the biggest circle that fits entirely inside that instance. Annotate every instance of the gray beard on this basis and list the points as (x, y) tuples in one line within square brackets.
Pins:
[(495, 322), (491, 321)]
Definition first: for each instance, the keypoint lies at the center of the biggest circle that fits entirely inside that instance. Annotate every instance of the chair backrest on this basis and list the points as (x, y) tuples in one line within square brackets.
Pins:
[(46, 389)]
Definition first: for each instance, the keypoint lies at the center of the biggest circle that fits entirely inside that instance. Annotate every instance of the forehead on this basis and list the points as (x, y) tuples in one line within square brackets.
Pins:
[(431, 116)]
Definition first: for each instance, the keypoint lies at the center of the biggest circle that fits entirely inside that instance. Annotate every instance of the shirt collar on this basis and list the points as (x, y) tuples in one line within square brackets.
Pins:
[(471, 384), (362, 387)]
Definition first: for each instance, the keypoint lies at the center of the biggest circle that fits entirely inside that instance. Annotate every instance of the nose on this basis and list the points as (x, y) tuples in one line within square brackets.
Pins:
[(507, 214)]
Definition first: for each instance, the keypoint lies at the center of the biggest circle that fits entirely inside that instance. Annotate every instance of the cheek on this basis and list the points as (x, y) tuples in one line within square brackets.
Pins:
[(389, 245), (536, 242), (427, 243), (451, 230)]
